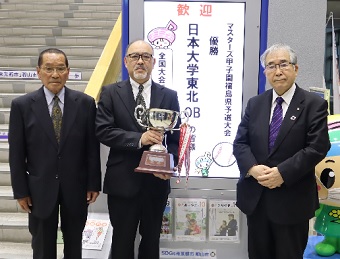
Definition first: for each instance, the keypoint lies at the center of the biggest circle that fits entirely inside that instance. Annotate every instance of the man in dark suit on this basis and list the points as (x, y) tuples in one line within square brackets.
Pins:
[(232, 225), (134, 198), (54, 167), (277, 188)]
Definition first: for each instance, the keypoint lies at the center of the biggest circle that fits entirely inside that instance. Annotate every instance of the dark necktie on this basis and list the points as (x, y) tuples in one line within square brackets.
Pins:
[(56, 117), (276, 122), (139, 98), (140, 101)]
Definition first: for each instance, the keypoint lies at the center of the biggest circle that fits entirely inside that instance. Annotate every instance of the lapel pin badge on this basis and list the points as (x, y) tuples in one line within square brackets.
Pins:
[(293, 118)]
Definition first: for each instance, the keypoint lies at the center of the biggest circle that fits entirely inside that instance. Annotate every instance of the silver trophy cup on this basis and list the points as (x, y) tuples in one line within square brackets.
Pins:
[(157, 159)]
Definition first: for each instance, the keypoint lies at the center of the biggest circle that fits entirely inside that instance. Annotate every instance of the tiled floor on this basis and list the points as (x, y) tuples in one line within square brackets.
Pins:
[(21, 251)]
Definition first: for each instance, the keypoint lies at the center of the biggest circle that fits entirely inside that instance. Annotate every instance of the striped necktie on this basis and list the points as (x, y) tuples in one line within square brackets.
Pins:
[(276, 122)]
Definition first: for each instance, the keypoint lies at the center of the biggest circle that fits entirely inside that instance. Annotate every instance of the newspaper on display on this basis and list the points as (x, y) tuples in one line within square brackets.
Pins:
[(94, 233), (190, 219), (167, 222), (224, 219)]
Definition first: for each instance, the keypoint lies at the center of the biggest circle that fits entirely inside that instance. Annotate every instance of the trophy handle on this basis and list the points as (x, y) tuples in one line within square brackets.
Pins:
[(139, 112), (184, 119)]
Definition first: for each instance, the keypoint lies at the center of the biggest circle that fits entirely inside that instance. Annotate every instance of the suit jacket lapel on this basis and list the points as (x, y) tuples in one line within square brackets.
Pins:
[(264, 108), (40, 109), (293, 113), (125, 93), (157, 95), (69, 115)]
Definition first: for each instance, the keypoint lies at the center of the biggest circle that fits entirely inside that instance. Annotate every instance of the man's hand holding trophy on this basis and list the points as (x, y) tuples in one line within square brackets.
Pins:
[(157, 121)]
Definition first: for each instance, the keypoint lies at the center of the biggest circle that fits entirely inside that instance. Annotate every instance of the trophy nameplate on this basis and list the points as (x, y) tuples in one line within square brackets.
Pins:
[(156, 162)]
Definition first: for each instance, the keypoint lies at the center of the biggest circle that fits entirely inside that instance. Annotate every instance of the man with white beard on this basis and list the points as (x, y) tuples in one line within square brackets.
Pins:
[(134, 198)]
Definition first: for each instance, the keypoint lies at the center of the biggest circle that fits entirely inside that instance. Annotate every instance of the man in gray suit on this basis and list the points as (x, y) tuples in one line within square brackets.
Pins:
[(277, 187), (54, 158)]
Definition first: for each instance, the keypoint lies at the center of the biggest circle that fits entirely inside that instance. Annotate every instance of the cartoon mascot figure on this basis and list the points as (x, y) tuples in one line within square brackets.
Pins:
[(327, 173)]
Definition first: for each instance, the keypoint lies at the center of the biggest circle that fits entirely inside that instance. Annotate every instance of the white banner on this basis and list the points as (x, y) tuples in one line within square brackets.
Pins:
[(199, 50), (32, 74)]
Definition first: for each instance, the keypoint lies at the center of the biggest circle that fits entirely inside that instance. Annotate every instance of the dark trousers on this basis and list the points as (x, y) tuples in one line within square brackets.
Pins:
[(270, 240), (44, 233), (125, 215)]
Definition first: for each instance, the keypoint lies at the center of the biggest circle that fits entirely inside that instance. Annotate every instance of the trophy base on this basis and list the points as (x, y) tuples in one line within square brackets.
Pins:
[(156, 162)]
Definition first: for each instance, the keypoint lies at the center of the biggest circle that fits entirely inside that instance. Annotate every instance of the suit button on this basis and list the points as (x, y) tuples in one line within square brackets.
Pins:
[(56, 176)]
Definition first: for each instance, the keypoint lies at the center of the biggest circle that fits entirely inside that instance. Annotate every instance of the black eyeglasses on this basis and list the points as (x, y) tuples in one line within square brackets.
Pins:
[(282, 66), (136, 56)]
